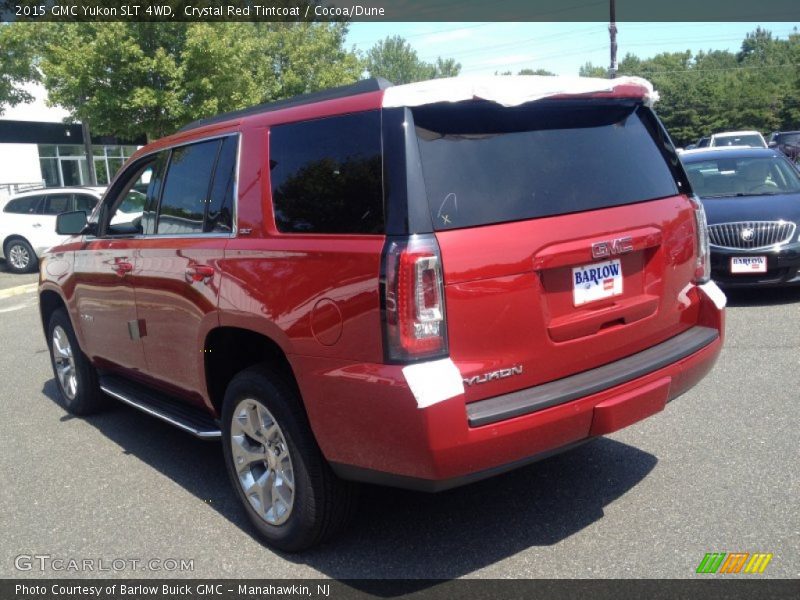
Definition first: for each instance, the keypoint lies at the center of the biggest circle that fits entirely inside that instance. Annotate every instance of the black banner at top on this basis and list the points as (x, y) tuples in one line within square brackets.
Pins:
[(400, 10)]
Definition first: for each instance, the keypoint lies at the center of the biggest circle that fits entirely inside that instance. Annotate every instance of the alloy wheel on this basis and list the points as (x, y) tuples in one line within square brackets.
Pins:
[(262, 461), (64, 362), (19, 257)]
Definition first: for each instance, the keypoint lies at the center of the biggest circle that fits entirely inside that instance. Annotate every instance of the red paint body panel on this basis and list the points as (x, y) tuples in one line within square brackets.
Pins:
[(510, 303), (317, 297), (365, 415)]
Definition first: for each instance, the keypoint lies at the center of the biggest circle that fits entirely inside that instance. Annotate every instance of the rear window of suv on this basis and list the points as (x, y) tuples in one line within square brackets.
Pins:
[(485, 164)]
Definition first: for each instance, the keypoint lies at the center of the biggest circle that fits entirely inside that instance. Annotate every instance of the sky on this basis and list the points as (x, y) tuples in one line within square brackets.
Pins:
[(484, 48)]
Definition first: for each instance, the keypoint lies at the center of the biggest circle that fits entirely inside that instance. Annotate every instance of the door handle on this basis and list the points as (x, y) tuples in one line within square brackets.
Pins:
[(122, 268), (199, 272), (37, 225)]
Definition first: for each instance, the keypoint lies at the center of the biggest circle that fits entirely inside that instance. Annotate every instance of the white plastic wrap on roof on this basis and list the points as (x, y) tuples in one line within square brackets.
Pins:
[(507, 90)]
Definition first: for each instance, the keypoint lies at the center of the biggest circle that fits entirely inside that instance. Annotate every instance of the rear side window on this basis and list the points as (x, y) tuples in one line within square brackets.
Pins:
[(326, 175), (55, 204), (186, 186), (485, 164), (220, 206), (27, 205)]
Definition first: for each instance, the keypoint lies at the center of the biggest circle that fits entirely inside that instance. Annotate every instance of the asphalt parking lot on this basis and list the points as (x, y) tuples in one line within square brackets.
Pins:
[(717, 471)]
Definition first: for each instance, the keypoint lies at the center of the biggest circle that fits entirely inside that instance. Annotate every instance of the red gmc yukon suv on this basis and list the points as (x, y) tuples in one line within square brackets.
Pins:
[(418, 286)]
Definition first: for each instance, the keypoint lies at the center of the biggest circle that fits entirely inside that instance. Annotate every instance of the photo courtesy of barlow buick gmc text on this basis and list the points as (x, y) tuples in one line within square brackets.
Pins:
[(399, 300)]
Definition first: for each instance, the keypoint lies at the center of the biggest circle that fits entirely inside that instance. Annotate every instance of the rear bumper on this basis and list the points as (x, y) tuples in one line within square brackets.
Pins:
[(370, 429)]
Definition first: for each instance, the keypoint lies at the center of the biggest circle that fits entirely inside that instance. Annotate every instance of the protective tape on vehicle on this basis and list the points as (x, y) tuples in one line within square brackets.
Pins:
[(507, 90), (716, 295), (434, 381)]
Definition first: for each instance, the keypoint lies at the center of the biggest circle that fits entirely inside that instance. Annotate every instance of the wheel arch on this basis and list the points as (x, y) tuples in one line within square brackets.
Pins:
[(229, 350), (49, 302)]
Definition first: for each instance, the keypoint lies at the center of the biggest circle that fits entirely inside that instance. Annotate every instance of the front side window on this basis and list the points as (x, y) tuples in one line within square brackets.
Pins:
[(326, 175), (127, 213), (186, 188), (27, 205)]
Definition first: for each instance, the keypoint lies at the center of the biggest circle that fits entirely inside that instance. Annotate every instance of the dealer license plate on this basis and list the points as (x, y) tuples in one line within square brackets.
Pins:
[(596, 281), (748, 264)]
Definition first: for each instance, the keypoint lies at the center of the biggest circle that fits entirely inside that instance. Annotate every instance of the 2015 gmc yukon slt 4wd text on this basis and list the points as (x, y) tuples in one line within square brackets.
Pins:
[(417, 285)]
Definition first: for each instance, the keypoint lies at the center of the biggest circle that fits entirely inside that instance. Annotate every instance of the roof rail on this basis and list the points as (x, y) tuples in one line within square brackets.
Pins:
[(360, 87)]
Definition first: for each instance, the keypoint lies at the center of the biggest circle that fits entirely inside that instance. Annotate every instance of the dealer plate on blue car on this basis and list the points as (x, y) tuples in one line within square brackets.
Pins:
[(748, 264), (596, 281)]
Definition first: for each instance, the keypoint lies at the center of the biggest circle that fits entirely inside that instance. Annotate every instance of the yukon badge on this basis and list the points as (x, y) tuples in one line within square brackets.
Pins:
[(499, 374), (610, 248)]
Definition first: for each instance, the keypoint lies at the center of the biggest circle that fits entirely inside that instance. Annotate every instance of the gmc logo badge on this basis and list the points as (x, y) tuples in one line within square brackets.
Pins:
[(617, 246)]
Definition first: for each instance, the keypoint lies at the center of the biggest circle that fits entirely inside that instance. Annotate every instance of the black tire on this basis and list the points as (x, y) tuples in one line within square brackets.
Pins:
[(86, 397), (20, 257), (323, 504)]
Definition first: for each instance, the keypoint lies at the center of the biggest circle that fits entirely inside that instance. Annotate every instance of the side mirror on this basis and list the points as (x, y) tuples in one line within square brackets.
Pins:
[(772, 144), (71, 223)]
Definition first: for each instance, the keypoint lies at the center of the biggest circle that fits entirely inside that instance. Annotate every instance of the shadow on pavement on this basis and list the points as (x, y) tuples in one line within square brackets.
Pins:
[(763, 296), (403, 534)]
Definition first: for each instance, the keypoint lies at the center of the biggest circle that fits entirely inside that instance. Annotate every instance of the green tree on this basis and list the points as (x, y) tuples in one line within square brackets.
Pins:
[(590, 70), (446, 67), (756, 88), (394, 59), (528, 72), (17, 67), (535, 72), (134, 79)]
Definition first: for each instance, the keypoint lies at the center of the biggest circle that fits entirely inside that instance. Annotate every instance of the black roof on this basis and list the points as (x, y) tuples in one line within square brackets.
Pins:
[(360, 87)]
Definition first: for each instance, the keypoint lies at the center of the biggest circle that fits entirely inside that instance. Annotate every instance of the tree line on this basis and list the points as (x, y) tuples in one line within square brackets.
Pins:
[(717, 90), (135, 80)]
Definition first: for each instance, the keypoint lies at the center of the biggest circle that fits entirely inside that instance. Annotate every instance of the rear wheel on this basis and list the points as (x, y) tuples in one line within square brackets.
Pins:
[(20, 257), (288, 490), (76, 378)]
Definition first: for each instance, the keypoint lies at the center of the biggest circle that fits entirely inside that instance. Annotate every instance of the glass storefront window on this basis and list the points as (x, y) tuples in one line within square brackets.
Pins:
[(100, 169), (114, 165), (50, 171), (47, 151), (65, 165)]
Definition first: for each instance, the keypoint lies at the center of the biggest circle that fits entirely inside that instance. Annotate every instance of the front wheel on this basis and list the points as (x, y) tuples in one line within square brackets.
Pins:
[(290, 494), (75, 376)]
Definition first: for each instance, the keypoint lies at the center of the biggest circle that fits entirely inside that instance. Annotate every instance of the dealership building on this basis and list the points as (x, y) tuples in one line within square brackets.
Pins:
[(37, 148)]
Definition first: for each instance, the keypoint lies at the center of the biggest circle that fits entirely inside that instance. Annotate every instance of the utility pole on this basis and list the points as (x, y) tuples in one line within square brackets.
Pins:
[(612, 32)]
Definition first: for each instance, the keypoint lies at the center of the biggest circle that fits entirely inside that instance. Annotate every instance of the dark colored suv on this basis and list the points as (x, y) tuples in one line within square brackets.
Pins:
[(418, 286)]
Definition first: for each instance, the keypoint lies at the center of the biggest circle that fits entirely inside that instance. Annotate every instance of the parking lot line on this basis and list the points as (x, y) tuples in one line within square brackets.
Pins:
[(18, 290)]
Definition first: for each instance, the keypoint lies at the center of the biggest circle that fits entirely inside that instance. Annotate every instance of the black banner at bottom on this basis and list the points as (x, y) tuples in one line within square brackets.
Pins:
[(357, 589)]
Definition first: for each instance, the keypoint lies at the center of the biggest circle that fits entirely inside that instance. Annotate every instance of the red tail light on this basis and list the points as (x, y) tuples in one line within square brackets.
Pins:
[(415, 326)]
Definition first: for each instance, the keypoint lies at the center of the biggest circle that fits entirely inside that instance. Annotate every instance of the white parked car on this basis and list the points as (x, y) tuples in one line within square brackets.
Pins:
[(28, 222), (753, 139)]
